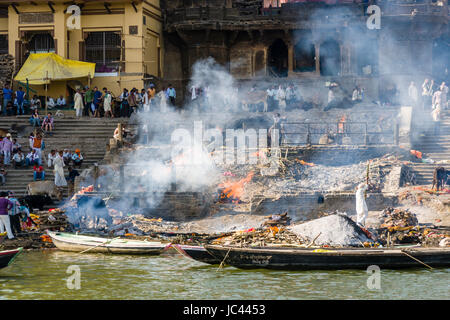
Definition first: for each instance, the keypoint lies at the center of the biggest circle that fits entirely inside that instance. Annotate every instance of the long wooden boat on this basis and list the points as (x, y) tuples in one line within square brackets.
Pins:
[(8, 256), (198, 253), (349, 258), (82, 243)]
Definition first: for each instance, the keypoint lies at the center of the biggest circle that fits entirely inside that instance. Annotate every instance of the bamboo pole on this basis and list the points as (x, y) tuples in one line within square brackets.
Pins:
[(46, 91), (416, 259)]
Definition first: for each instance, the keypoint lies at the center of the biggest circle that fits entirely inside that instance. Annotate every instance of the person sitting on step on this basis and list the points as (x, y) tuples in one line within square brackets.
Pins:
[(77, 158), (38, 173)]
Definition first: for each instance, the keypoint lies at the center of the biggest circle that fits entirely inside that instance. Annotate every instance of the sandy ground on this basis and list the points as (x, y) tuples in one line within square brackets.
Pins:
[(224, 223)]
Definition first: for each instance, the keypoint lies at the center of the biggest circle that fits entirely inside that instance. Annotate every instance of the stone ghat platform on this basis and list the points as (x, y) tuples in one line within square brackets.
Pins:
[(306, 206)]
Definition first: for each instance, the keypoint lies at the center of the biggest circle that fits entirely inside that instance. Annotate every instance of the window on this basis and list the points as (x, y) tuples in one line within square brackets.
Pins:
[(41, 42), (3, 44), (103, 48)]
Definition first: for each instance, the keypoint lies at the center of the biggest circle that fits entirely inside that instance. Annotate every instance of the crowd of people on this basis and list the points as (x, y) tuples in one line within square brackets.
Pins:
[(11, 155), (14, 215), (17, 102), (96, 103)]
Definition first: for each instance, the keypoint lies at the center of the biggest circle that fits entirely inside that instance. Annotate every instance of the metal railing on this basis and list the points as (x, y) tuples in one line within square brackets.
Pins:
[(356, 133)]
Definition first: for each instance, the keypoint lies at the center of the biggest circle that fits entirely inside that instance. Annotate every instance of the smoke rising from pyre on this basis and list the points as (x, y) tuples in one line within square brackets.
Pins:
[(168, 159)]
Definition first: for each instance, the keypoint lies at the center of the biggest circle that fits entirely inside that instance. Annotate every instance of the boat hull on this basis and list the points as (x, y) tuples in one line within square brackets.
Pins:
[(8, 256), (94, 245), (197, 253), (308, 259)]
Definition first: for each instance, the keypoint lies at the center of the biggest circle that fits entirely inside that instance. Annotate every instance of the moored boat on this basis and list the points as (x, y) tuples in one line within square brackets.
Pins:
[(346, 258), (83, 243), (198, 253), (8, 256)]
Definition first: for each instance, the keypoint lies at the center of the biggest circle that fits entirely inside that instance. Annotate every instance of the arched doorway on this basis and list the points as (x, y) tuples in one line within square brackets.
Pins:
[(330, 58), (304, 56), (278, 59)]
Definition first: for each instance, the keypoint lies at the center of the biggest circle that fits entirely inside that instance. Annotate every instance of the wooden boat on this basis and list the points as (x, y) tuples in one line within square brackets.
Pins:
[(198, 253), (348, 258), (82, 243), (8, 256)]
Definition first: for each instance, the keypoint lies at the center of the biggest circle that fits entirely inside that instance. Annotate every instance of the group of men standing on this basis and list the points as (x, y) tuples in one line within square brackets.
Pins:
[(434, 100), (282, 97), (100, 103)]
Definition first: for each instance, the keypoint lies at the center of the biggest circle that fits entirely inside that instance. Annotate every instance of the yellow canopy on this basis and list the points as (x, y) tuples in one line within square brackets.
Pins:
[(41, 68)]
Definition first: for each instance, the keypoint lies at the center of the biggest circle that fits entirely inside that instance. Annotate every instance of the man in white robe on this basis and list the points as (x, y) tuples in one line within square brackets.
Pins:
[(78, 103), (58, 162), (361, 206)]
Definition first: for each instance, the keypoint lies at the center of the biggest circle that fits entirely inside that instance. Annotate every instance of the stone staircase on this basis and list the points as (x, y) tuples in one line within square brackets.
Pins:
[(90, 135), (433, 147)]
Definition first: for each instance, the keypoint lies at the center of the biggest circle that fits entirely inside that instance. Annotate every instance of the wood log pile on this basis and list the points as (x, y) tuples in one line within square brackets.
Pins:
[(401, 227), (272, 236), (54, 219), (6, 69), (397, 218)]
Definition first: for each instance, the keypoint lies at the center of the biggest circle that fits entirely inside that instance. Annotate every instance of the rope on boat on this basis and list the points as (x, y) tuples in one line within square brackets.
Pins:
[(416, 259), (221, 264), (103, 243)]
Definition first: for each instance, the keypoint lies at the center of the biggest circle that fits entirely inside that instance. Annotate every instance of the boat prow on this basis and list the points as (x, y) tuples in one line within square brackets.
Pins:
[(197, 253), (82, 243), (8, 256)]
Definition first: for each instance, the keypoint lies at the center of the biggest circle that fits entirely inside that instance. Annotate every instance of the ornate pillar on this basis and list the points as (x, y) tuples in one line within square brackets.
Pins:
[(346, 65), (317, 57), (290, 58)]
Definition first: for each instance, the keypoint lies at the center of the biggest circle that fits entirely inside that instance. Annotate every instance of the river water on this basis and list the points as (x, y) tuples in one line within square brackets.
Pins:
[(42, 275)]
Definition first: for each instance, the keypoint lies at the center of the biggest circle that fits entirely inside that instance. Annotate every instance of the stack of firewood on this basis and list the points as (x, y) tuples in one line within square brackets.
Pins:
[(6, 69), (272, 236), (53, 220)]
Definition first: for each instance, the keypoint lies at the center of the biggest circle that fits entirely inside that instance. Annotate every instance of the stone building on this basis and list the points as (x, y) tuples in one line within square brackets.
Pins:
[(308, 42), (123, 38)]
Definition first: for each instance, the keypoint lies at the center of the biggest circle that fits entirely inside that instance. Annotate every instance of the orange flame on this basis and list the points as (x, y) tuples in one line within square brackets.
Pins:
[(234, 190), (302, 162), (341, 124)]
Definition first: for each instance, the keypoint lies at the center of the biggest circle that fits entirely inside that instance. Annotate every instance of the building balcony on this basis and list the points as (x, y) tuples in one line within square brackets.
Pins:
[(298, 12), (290, 13)]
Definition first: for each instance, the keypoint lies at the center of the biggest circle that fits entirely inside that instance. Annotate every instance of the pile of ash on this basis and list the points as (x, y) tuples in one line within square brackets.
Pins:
[(335, 230), (319, 178), (296, 176)]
